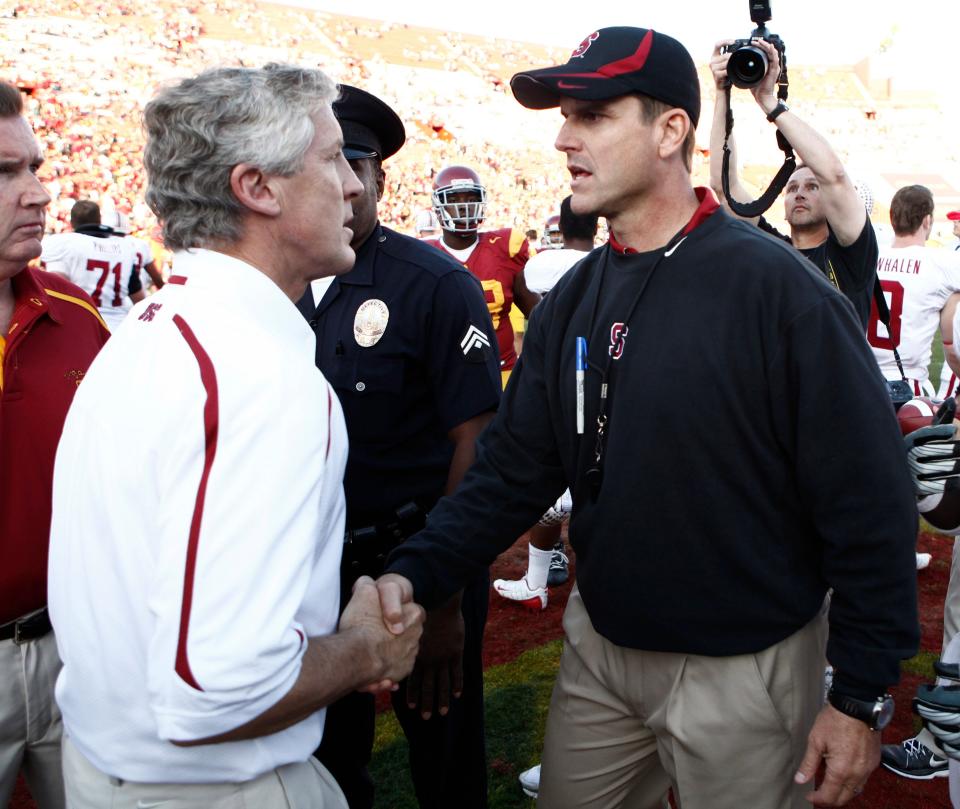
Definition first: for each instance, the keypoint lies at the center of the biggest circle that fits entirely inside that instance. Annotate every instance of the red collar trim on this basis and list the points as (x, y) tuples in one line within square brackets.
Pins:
[(707, 207)]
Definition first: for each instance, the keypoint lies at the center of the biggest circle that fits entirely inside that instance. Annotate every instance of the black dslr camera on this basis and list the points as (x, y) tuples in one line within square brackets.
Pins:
[(748, 63)]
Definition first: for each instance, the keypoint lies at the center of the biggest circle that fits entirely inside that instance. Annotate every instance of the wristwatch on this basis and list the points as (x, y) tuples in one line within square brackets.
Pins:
[(777, 111), (876, 714)]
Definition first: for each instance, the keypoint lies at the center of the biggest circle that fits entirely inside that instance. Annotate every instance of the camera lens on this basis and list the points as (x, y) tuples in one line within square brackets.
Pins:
[(747, 67)]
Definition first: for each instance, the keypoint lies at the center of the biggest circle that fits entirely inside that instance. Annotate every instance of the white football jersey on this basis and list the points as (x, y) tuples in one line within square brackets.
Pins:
[(101, 267), (916, 283)]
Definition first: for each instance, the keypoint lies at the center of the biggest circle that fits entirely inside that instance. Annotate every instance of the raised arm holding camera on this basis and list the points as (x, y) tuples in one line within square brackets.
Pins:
[(828, 221)]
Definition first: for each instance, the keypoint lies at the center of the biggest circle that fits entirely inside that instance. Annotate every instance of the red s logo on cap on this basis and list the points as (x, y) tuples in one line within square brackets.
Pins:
[(584, 46)]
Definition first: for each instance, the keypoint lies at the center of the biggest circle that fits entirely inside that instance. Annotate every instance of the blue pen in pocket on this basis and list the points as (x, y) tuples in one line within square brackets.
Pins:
[(581, 368)]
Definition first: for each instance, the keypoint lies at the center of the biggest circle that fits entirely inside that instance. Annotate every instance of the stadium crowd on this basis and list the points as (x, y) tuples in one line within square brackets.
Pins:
[(88, 115), (473, 157), (86, 104)]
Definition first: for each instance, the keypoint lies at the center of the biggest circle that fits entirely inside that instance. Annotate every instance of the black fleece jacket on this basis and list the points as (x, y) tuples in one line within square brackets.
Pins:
[(752, 460)]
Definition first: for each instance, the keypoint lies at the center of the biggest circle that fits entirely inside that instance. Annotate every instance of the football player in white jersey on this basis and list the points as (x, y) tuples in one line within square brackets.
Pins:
[(101, 264), (147, 267), (917, 281)]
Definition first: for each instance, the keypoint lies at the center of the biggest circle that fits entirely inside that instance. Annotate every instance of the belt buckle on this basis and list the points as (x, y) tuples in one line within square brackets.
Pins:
[(17, 638)]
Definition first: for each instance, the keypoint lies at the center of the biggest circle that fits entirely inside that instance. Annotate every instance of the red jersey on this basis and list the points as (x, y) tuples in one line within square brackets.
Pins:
[(54, 334), (496, 260)]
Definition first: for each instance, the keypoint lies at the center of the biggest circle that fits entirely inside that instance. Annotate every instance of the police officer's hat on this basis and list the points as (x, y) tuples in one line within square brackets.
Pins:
[(370, 127)]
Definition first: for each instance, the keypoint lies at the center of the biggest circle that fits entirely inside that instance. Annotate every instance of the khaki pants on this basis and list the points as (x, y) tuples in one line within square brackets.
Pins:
[(725, 732), (30, 724), (305, 785)]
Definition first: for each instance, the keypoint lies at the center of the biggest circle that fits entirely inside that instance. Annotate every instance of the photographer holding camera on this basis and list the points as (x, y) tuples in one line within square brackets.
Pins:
[(828, 220)]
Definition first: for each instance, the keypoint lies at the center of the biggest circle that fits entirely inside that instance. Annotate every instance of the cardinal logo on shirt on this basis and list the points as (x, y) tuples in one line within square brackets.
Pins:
[(618, 339)]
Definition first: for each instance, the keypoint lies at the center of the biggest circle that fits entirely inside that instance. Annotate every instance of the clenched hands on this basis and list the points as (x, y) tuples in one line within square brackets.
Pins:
[(392, 643)]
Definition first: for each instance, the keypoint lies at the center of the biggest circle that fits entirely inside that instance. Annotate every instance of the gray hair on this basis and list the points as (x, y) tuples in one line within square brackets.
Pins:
[(200, 129)]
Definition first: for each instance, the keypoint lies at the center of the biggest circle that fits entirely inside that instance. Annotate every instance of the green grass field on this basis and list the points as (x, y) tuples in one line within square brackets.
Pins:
[(517, 695), (936, 361)]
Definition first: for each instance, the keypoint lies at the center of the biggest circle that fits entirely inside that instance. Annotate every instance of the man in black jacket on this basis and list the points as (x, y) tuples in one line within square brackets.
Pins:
[(695, 637)]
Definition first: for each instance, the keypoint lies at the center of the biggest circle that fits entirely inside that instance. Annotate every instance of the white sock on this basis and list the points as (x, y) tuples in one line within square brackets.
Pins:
[(538, 566)]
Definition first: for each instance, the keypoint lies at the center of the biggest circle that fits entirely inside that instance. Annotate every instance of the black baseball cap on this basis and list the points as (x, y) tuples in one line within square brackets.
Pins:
[(370, 127), (615, 62)]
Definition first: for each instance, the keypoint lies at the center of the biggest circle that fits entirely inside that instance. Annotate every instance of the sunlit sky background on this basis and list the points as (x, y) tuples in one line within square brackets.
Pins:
[(921, 38)]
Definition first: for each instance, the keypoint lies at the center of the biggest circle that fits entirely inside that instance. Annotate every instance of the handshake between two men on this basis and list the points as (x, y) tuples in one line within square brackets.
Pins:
[(435, 671), (389, 625)]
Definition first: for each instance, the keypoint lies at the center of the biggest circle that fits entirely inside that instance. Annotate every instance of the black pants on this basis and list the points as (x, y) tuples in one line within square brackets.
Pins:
[(448, 762)]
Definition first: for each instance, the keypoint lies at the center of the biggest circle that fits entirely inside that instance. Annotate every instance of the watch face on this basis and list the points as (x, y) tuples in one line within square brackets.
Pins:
[(885, 714)]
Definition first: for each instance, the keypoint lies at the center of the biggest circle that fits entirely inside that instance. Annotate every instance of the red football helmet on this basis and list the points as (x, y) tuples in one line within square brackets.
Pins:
[(459, 199), (552, 238)]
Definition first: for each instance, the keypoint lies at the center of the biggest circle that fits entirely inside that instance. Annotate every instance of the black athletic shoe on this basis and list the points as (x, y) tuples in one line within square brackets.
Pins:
[(911, 759), (559, 567)]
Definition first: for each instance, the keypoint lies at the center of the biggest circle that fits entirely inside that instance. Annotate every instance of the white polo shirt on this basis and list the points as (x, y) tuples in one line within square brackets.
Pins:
[(198, 517)]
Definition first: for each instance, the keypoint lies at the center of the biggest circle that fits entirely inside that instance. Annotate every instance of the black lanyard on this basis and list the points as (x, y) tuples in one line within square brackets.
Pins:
[(594, 474)]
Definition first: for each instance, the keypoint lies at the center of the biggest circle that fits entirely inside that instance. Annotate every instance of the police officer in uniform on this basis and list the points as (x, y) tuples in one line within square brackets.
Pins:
[(406, 340)]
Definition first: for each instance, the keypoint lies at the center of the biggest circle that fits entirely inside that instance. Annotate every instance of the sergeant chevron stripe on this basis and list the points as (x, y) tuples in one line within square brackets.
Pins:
[(474, 338)]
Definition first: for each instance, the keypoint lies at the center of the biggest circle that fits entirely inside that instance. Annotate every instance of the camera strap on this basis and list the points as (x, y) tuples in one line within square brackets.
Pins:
[(756, 208)]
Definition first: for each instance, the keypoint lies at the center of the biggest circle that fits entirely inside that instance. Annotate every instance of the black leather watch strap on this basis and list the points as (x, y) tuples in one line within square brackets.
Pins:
[(777, 111)]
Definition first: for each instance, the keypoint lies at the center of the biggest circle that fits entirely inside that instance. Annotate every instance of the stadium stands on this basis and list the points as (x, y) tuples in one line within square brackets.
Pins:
[(450, 88)]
